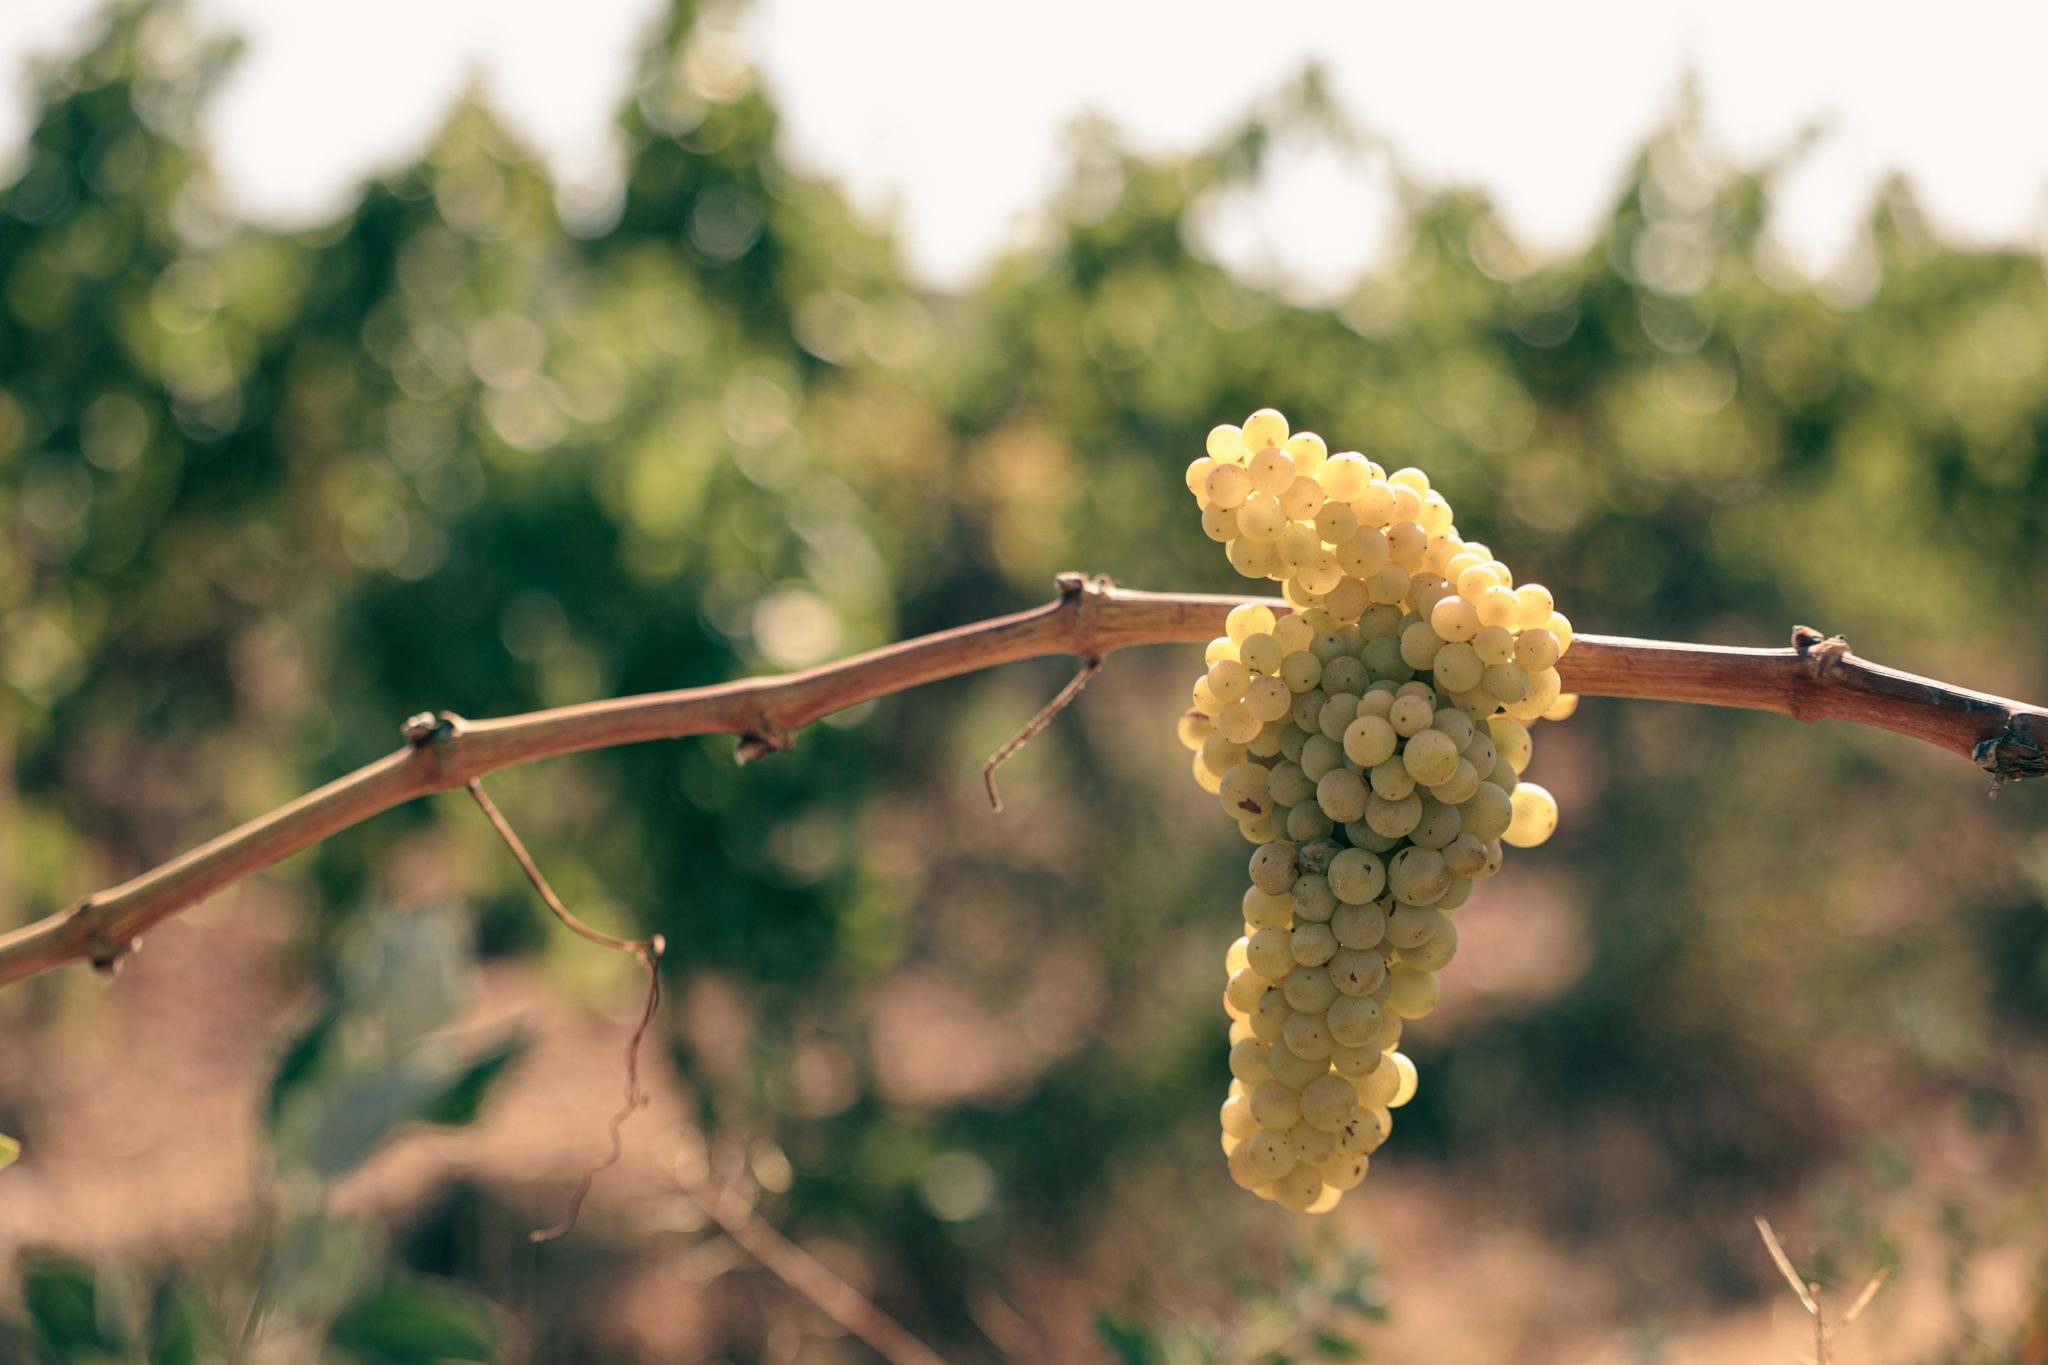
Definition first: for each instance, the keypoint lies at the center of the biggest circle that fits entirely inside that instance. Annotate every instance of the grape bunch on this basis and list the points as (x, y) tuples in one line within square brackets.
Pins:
[(1370, 743)]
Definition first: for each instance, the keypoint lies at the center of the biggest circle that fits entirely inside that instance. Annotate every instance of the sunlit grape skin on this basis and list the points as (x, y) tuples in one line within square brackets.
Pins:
[(1370, 742)]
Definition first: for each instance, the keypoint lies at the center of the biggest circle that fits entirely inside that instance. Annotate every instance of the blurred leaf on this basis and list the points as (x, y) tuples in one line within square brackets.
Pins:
[(1337, 1346), (10, 1151), (334, 1125), (296, 1066), (1354, 1297), (63, 1301), (1132, 1343), (318, 1265), (463, 1098), (182, 1328), (412, 1322)]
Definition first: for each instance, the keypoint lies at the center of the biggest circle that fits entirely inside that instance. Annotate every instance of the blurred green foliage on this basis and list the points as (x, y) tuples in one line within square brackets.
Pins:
[(263, 494)]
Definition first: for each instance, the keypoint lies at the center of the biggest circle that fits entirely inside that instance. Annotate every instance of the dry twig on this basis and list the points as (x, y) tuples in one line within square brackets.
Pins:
[(648, 950), (1809, 1294), (1091, 618), (807, 1275)]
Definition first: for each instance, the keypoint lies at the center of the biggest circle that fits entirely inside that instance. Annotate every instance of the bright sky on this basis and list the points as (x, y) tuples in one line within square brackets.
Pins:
[(950, 114)]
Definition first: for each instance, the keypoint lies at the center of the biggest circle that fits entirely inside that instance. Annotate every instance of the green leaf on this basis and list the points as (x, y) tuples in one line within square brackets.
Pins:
[(463, 1098), (63, 1301), (295, 1069), (413, 1322), (1355, 1298), (182, 1329), (10, 1151), (1337, 1346), (1129, 1341), (337, 1123)]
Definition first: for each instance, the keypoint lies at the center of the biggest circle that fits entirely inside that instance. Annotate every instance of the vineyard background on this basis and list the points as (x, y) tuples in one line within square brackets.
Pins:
[(262, 495)]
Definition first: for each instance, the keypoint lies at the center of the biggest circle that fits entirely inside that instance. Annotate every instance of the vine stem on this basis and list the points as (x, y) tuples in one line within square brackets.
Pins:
[(1816, 679)]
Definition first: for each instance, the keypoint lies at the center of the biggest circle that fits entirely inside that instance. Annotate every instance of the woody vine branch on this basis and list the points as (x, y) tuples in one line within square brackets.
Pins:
[(1817, 678)]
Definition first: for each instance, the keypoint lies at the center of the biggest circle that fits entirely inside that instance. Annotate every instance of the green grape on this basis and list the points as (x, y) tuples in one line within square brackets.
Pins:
[(1344, 476), (1272, 470), (1265, 911), (1270, 1154), (1264, 429), (1309, 990), (1320, 757), (1249, 1061), (1343, 1173), (1337, 711), (1504, 682), (1511, 739), (1393, 819), (1269, 1016), (1244, 991), (1534, 816), (1353, 1022), (1237, 723), (1273, 867), (1359, 926), (1226, 442), (1455, 724), (1533, 606), (1440, 823), (1237, 1118), (1487, 813), (1307, 1036), (1269, 953), (1536, 649), (1493, 644), (1410, 715), (1342, 794), (1457, 667), (1459, 788), (1419, 645), (1465, 855), (1356, 972), (1305, 822), (1405, 1070), (1313, 944), (1303, 499), (1299, 1188), (1416, 876), (1364, 555), (1292, 1069), (1412, 993), (1327, 1103), (1374, 502), (1430, 756), (1356, 877), (1292, 634), (1454, 619), (1409, 927), (1372, 1091), (1391, 780), (1313, 900), (1227, 486), (1435, 952), (1335, 522), (1369, 740), (1312, 1144)]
